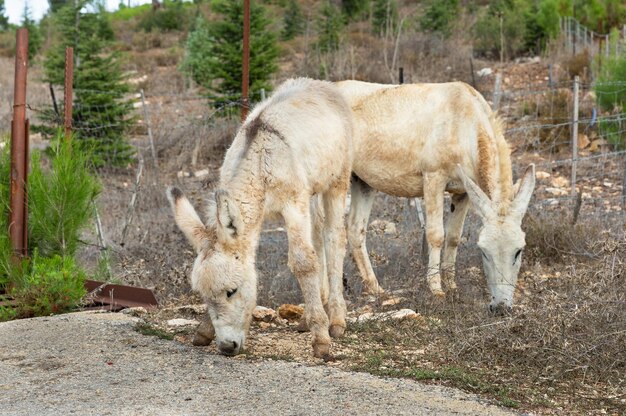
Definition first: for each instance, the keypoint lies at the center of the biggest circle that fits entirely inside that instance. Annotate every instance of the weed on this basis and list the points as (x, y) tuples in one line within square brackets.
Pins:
[(150, 330)]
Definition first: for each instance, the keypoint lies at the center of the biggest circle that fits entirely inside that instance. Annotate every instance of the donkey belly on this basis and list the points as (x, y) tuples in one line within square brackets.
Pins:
[(408, 185)]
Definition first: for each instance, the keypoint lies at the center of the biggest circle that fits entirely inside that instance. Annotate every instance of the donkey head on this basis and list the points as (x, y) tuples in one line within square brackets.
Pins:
[(223, 272), (501, 239)]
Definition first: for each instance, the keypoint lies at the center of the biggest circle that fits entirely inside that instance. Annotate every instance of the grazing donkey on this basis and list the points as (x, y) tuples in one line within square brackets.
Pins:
[(421, 140), (294, 145)]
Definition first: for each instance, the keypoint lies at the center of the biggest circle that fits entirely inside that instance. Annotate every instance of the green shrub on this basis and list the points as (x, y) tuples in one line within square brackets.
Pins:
[(329, 28), (44, 286), (293, 21), (611, 96), (129, 13), (172, 16), (60, 207), (440, 16)]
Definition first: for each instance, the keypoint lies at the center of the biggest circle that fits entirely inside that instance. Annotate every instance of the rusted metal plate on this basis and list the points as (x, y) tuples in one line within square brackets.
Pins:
[(114, 297)]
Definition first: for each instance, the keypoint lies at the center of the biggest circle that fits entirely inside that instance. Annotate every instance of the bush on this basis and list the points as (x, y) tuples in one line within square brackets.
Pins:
[(611, 96), (59, 209), (44, 286), (172, 16), (440, 16)]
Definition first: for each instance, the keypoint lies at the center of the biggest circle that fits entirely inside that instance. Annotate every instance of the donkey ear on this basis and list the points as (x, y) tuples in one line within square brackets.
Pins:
[(230, 223), (480, 201), (186, 218), (524, 193)]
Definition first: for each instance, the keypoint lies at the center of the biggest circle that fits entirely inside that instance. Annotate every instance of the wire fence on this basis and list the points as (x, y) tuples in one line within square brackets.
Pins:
[(539, 121)]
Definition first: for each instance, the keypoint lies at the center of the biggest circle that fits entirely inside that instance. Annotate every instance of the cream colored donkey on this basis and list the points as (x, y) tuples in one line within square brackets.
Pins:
[(294, 145), (419, 140)]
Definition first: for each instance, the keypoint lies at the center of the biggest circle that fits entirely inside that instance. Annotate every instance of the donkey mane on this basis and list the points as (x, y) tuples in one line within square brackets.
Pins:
[(494, 165)]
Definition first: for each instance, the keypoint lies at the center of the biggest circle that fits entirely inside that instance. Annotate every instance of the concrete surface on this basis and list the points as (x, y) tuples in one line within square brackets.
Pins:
[(97, 364)]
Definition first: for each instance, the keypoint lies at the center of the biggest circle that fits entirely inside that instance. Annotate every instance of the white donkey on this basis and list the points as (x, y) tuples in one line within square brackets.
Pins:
[(294, 145), (421, 140)]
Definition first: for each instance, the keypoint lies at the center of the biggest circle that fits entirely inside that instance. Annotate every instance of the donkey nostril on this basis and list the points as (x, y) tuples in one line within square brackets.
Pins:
[(234, 345)]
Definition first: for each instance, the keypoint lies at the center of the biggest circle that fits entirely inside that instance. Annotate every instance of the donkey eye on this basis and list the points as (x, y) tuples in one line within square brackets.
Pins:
[(229, 293), (517, 255)]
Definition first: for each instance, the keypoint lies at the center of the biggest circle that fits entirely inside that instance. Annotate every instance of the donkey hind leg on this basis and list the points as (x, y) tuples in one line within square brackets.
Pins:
[(454, 230), (434, 187), (304, 264), (205, 333), (362, 198), (335, 245)]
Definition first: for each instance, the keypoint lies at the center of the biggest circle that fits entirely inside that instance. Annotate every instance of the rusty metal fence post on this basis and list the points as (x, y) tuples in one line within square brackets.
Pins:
[(19, 149), (245, 76), (69, 81)]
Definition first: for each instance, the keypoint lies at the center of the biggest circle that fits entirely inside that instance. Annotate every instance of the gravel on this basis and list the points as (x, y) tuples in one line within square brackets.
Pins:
[(96, 363)]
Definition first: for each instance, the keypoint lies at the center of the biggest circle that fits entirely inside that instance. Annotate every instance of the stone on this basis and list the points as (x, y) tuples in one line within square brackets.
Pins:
[(542, 175), (484, 72), (290, 312), (556, 191), (180, 322), (398, 315), (392, 301), (583, 141), (390, 229), (263, 314), (560, 182), (136, 311)]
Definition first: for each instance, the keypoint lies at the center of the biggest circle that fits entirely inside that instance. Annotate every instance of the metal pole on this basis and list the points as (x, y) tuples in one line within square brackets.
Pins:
[(575, 136), (69, 79), (245, 76), (147, 119), (607, 45), (18, 147), (401, 75)]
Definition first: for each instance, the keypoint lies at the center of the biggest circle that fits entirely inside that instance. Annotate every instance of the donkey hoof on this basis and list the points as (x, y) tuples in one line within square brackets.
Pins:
[(200, 340), (321, 350), (337, 331), (376, 290), (302, 326)]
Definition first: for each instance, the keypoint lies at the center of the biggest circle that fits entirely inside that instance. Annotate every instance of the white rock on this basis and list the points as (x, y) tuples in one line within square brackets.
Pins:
[(542, 175), (484, 72), (385, 316), (556, 191), (180, 322), (261, 313), (201, 173), (391, 229), (136, 311)]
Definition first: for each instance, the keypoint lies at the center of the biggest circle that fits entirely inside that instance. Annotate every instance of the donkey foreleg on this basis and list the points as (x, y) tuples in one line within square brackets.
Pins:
[(304, 264), (361, 200), (434, 187), (454, 230), (335, 246)]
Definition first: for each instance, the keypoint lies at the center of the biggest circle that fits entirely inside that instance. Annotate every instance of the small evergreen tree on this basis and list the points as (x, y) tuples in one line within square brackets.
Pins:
[(293, 21), (329, 26), (385, 16), (440, 16), (101, 112), (34, 35), (213, 55), (353, 9), (4, 20), (56, 5)]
